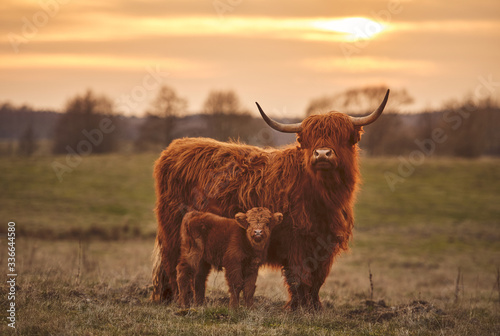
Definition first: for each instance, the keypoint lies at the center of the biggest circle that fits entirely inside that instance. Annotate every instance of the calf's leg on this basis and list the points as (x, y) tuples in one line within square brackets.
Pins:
[(200, 282), (249, 288), (234, 278), (185, 275)]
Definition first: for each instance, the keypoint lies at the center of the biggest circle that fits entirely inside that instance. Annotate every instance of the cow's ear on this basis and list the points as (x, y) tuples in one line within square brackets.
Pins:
[(356, 135), (278, 217), (241, 219), (299, 140)]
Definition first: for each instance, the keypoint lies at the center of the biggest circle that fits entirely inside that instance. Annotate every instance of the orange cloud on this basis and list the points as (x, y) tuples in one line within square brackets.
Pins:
[(369, 64)]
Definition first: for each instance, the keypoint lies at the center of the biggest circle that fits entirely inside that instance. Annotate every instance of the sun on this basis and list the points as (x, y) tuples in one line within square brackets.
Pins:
[(355, 28)]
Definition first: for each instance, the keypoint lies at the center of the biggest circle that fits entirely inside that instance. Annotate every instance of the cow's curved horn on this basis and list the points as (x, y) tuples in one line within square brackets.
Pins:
[(286, 128), (361, 121)]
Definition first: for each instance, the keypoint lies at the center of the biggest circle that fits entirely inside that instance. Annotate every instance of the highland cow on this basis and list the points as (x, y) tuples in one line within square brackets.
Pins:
[(312, 183), (238, 245)]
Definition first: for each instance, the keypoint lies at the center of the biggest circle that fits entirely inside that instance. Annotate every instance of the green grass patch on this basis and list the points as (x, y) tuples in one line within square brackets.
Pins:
[(104, 195), (115, 194)]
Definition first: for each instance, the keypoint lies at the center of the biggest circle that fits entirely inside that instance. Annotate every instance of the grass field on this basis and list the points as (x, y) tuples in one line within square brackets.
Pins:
[(84, 247)]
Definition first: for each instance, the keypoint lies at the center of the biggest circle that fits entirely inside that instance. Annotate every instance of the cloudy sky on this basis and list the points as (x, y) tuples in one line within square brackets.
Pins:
[(280, 53)]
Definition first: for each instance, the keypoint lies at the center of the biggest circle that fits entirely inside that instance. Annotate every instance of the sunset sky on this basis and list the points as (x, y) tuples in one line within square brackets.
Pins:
[(279, 53)]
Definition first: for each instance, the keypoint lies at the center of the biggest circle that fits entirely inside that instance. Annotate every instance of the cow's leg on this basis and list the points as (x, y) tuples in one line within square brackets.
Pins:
[(302, 294), (200, 282), (164, 275), (171, 276), (161, 287), (294, 286), (318, 278), (282, 252), (173, 284), (305, 280), (313, 300), (300, 259), (167, 252)]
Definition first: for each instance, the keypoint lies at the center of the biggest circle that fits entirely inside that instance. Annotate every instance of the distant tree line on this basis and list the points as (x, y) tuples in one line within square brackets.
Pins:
[(90, 124), (465, 128), (222, 118)]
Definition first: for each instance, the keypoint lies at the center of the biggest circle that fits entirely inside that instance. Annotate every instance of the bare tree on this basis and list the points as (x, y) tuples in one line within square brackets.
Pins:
[(158, 127), (222, 102), (227, 119), (360, 100), (168, 105), (320, 105), (81, 120)]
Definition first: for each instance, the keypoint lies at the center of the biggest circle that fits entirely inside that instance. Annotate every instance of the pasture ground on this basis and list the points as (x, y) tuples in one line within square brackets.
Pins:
[(84, 247)]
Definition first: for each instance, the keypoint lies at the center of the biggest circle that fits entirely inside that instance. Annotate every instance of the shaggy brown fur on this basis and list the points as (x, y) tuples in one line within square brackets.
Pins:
[(225, 178), (239, 245)]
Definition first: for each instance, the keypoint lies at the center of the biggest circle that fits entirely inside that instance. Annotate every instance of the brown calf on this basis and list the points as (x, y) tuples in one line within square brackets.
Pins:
[(239, 245)]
